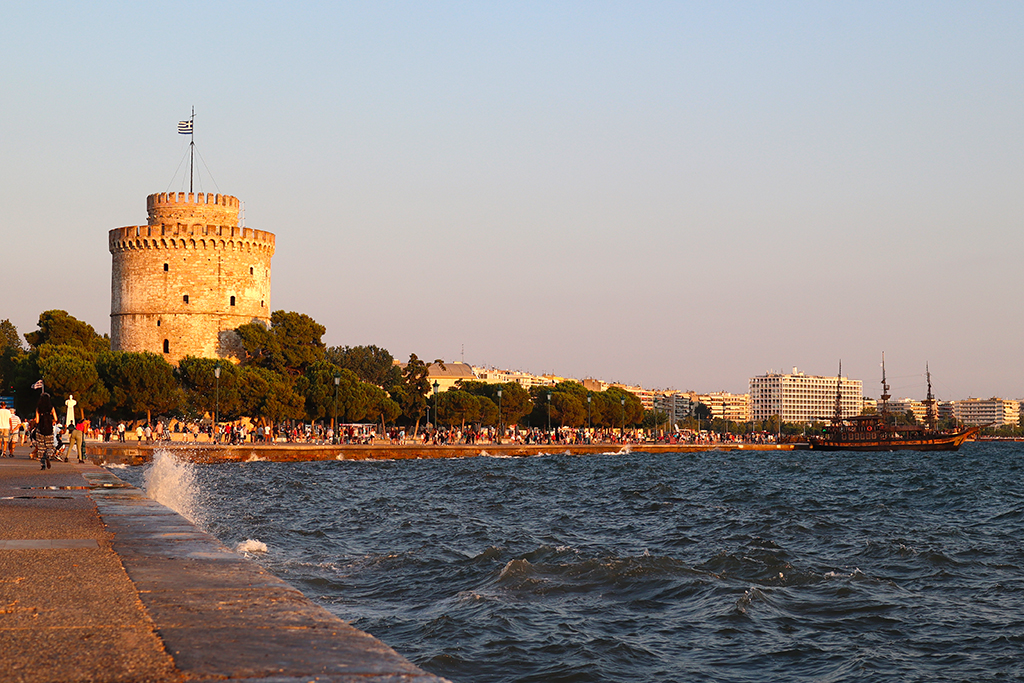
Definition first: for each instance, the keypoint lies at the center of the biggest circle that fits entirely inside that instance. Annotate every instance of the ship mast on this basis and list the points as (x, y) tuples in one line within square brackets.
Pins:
[(930, 418), (885, 391), (839, 395)]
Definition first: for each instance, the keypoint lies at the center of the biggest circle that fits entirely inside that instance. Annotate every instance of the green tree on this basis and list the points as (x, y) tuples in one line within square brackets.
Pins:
[(411, 392), (654, 419), (371, 364), (71, 370), (9, 338), (260, 347), (58, 328), (567, 409), (380, 407), (457, 407), (139, 383), (204, 394), (300, 340), (515, 400), (291, 344), (267, 396), (11, 350)]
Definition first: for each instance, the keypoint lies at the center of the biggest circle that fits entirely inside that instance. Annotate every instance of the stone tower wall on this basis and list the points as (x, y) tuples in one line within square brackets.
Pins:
[(192, 247)]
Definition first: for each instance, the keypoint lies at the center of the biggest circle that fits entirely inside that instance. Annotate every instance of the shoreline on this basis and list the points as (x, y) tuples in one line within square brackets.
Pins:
[(140, 453)]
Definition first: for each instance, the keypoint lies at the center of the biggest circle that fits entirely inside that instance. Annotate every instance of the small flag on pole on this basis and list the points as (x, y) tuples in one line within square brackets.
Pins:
[(38, 385), (185, 127)]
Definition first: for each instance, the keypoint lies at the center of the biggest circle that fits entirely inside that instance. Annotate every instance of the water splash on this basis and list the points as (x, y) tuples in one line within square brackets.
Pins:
[(173, 482), (251, 545)]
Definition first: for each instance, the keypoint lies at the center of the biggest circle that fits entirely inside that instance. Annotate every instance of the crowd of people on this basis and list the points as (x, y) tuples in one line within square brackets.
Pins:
[(46, 431)]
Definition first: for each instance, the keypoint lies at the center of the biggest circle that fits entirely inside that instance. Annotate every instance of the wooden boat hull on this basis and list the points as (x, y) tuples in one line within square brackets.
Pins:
[(892, 442)]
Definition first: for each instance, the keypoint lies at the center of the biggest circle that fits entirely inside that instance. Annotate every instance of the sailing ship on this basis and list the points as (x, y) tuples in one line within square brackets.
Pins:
[(878, 432)]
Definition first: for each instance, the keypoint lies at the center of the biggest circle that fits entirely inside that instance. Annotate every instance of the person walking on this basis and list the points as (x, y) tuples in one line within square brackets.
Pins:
[(76, 440), (46, 417), (16, 429), (5, 429)]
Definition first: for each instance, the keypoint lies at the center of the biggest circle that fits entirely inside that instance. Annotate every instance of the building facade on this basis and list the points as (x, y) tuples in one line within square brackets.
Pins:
[(801, 398), (995, 411), (726, 406), (183, 282)]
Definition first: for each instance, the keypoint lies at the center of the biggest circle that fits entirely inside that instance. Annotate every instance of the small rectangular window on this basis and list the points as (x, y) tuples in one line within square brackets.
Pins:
[(232, 301), (158, 323), (250, 270), (166, 267), (185, 298), (167, 346)]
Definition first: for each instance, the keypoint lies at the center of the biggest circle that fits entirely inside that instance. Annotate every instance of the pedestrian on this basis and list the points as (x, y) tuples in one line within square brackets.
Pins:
[(46, 417), (5, 429), (77, 440), (17, 428), (139, 433), (120, 431)]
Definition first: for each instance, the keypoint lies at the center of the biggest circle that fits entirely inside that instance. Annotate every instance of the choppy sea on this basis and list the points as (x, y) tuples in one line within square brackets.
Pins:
[(718, 566)]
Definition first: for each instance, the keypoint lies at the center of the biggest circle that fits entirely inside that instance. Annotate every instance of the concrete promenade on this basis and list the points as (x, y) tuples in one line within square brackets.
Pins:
[(137, 453), (100, 583)]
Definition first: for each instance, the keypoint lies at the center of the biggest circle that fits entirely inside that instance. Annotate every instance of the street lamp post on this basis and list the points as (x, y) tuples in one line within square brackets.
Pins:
[(622, 429), (216, 404), (334, 425), (501, 424), (549, 414), (589, 425), (437, 413)]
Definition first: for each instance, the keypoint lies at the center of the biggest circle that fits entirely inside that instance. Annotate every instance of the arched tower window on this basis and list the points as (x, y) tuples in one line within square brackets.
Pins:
[(185, 299), (232, 301), (250, 270), (166, 267), (167, 346)]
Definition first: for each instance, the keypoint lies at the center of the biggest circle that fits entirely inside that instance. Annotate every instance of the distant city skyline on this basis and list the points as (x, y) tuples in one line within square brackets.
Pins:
[(670, 195)]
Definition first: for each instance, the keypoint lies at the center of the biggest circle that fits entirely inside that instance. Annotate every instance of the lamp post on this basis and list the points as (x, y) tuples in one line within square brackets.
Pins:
[(216, 404), (549, 414), (334, 425), (501, 424), (622, 429), (589, 426), (437, 413)]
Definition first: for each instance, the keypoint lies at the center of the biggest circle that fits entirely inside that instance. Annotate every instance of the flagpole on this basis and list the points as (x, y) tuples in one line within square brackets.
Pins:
[(192, 148)]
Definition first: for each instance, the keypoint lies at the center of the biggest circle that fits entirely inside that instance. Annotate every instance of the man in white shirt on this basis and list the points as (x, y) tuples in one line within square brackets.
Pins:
[(15, 426), (5, 429)]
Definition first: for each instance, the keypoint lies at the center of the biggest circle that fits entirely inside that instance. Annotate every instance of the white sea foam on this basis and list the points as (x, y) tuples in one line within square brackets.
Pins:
[(251, 545), (115, 466), (255, 458), (172, 482)]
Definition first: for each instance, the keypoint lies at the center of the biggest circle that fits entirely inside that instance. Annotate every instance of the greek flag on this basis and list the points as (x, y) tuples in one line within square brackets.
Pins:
[(38, 385), (185, 127)]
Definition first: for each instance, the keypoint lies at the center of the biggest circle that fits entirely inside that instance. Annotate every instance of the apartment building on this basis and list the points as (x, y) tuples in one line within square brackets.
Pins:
[(726, 406), (798, 397), (994, 411)]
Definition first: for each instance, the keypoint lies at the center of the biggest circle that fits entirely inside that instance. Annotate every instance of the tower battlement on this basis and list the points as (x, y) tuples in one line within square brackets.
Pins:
[(179, 236), (218, 209)]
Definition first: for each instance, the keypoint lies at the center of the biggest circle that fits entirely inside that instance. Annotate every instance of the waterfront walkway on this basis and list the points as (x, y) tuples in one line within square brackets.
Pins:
[(137, 453), (100, 583)]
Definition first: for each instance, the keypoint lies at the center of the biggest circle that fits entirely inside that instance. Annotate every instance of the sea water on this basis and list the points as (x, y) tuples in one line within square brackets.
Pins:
[(723, 566)]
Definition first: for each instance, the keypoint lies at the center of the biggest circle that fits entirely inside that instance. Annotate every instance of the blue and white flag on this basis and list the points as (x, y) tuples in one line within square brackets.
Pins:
[(185, 127), (38, 385)]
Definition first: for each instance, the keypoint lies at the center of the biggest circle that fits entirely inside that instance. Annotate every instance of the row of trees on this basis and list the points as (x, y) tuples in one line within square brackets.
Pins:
[(286, 372)]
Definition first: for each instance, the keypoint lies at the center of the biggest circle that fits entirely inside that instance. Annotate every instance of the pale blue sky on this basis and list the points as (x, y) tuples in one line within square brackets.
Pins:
[(674, 194)]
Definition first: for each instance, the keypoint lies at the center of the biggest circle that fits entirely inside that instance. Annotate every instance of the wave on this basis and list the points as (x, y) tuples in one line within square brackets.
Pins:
[(174, 483), (251, 545)]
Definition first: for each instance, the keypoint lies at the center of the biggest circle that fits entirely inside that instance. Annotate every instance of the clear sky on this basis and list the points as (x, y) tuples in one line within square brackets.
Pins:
[(674, 194)]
